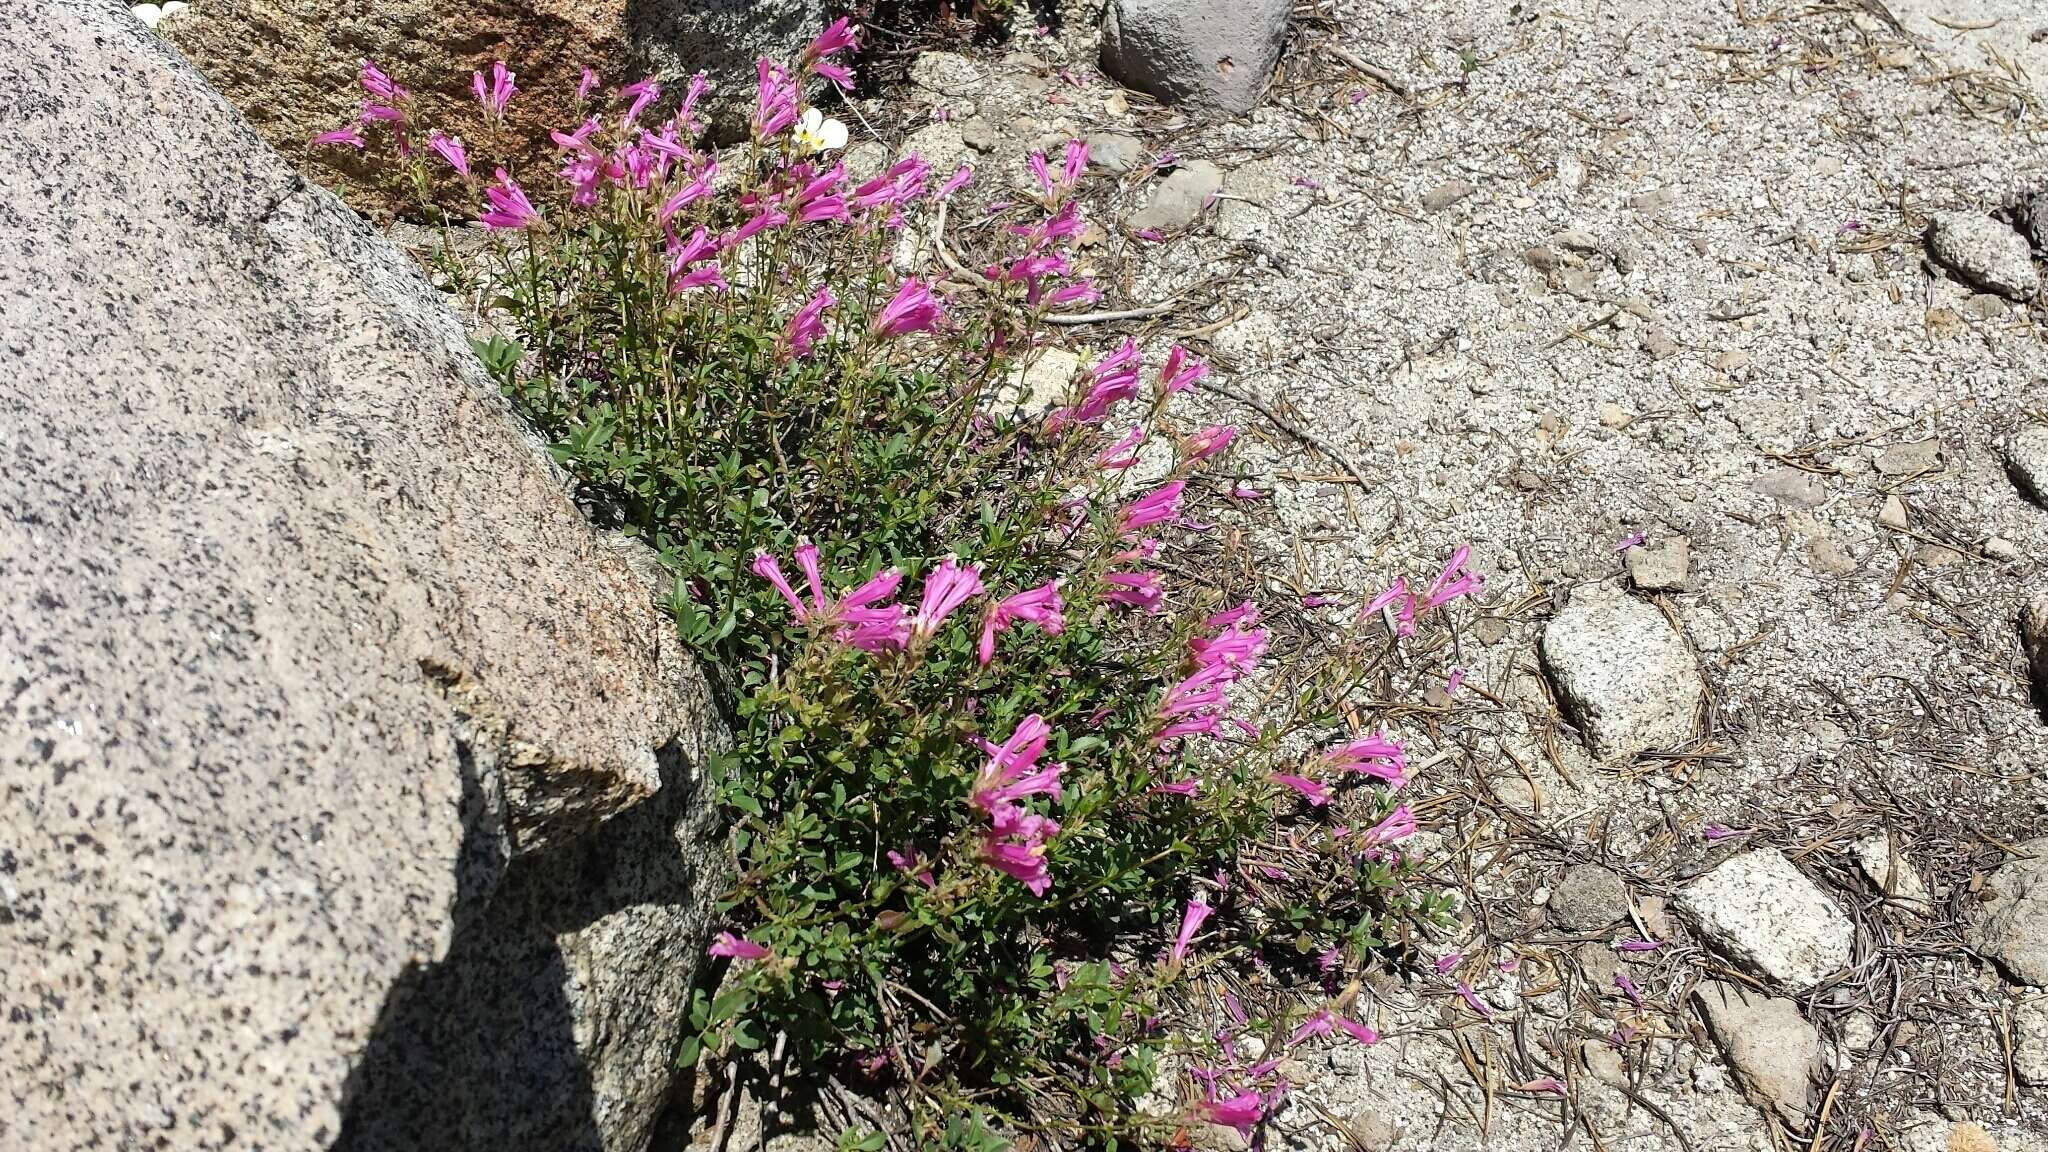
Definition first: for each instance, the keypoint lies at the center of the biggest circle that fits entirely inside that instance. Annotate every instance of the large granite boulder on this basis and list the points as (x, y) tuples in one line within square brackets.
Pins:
[(1217, 54), (352, 785), (291, 66)]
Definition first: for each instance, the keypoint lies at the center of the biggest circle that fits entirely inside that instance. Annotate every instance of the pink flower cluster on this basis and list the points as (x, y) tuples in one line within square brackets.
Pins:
[(1015, 840), (1457, 579), (1195, 705)]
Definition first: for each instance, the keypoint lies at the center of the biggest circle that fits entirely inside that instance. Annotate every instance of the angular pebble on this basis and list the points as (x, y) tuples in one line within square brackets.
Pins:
[(1115, 153), (1768, 917), (1985, 253), (1769, 1045), (1178, 200), (1587, 897), (2012, 926), (2030, 1047), (1627, 679), (1446, 194), (2026, 461), (1665, 566), (1890, 871)]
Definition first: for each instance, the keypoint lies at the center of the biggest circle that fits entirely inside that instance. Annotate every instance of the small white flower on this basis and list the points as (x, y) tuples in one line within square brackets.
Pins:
[(149, 14), (817, 132)]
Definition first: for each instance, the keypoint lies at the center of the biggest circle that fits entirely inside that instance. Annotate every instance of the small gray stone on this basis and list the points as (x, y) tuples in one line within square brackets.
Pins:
[(1249, 194), (1115, 153), (947, 73), (2012, 926), (1446, 194), (1766, 915), (1663, 566), (1658, 345), (1984, 253), (1627, 679), (1892, 514), (1217, 53), (1793, 486), (2000, 550), (1178, 201), (1040, 384), (1603, 1062), (1587, 897), (2030, 1051), (1773, 1051), (2026, 461), (1890, 871), (940, 145), (981, 134), (1910, 459)]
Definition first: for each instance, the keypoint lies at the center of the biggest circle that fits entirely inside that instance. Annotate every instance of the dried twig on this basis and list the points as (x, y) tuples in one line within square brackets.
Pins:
[(1286, 426)]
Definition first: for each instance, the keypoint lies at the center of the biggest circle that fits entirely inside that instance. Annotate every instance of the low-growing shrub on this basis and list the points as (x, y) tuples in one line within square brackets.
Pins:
[(1013, 775)]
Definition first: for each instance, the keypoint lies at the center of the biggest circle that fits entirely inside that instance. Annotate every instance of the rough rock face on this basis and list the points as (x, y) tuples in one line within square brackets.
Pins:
[(351, 781), (290, 65), (1772, 1049), (1216, 53), (1985, 253), (2012, 927), (1770, 918), (1627, 679)]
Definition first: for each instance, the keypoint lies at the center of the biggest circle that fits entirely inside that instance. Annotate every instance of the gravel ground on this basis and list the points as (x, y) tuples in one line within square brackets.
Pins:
[(1577, 284)]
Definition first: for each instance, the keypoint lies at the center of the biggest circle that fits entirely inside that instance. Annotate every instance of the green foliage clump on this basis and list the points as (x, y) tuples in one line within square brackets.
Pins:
[(1000, 799)]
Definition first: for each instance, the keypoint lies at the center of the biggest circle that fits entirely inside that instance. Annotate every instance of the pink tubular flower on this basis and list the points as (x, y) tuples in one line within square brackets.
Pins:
[(1359, 1032), (1012, 773), (775, 100), (1454, 581), (1191, 919), (765, 219), (695, 190), (1040, 606), (807, 327), (586, 85), (642, 93), (837, 37), (1160, 506), (948, 587), (961, 177), (703, 276), (1140, 590), (911, 861), (768, 568), (1208, 442), (1076, 162), (1448, 961), (1180, 371), (1378, 756), (1318, 1024), (1404, 615), (1456, 681), (737, 948), (379, 85), (509, 207), (912, 309), (495, 95), (1024, 856), (450, 148), (1315, 793), (1399, 825), (341, 137), (1241, 1112), (1044, 174), (1188, 787), (1639, 945), (1122, 454), (1472, 1000), (1629, 989)]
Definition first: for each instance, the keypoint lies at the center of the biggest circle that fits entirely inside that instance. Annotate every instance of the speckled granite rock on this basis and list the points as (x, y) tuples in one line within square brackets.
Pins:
[(350, 780), (1217, 54), (291, 64), (2011, 926)]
